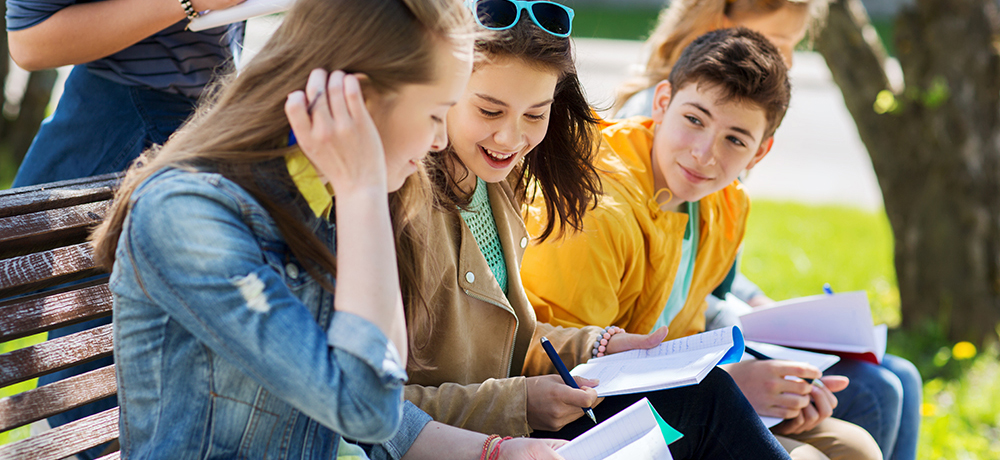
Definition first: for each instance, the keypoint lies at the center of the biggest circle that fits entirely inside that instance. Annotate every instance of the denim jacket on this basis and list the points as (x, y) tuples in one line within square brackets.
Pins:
[(225, 346)]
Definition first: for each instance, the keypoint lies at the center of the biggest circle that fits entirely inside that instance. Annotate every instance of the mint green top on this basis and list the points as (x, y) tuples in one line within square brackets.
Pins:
[(682, 282), (479, 218)]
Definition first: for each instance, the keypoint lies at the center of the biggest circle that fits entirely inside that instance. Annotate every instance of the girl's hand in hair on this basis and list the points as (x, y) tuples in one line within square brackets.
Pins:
[(624, 341), (335, 131), (552, 404)]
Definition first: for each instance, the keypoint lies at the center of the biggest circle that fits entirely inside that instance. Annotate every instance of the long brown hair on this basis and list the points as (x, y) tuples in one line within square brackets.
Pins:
[(684, 20), (560, 167), (241, 128)]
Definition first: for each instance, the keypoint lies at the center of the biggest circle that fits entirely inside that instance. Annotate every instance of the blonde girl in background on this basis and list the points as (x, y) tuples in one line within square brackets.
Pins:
[(885, 400)]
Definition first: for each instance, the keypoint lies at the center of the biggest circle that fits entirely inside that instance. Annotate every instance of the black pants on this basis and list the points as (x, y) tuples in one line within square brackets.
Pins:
[(715, 418)]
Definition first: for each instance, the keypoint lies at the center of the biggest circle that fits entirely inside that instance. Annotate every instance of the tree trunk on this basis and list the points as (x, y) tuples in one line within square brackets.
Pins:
[(935, 146)]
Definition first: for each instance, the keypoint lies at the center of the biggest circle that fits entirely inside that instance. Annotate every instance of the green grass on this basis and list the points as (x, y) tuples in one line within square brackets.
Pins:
[(22, 432), (792, 249), (611, 22), (8, 168)]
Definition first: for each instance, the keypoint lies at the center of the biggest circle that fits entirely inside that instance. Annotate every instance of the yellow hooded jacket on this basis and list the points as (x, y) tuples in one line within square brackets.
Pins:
[(620, 268)]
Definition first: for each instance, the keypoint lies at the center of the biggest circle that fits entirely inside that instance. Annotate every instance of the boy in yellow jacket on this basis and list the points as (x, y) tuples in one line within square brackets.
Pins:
[(672, 220)]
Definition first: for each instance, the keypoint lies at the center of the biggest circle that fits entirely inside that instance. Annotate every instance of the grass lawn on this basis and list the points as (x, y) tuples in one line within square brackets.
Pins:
[(792, 249)]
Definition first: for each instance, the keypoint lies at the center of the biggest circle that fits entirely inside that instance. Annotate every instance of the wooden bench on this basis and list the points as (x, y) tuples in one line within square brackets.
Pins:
[(43, 231)]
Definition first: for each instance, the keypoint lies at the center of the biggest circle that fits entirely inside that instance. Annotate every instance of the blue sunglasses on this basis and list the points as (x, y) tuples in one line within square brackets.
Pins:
[(551, 17)]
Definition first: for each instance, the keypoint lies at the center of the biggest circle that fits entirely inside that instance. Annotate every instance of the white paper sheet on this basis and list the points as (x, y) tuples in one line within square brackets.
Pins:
[(632, 434), (243, 11), (839, 323)]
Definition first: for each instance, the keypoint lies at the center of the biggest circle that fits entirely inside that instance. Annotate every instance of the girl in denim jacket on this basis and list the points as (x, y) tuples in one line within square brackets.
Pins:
[(234, 335)]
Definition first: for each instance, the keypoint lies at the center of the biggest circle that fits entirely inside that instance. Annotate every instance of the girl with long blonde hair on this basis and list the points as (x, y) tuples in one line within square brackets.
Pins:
[(784, 22)]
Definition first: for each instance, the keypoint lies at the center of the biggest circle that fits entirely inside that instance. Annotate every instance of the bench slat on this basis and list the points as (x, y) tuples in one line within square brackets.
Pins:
[(24, 200), (39, 231), (56, 354), (23, 274), (44, 313), (66, 440), (57, 397), (116, 455)]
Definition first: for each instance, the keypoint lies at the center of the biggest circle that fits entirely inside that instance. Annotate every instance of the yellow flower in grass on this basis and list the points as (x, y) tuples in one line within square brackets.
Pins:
[(928, 409), (963, 350)]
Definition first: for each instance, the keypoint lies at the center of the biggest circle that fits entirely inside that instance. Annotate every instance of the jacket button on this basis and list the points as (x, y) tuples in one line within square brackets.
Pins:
[(470, 277), (292, 271), (524, 242)]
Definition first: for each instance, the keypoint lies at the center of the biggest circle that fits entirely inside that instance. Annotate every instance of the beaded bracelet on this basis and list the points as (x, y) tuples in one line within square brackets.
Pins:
[(601, 344), (495, 448), (486, 445), (189, 9)]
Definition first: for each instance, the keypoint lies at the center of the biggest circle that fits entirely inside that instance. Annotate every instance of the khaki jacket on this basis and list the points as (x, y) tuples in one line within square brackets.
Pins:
[(483, 341), (620, 268)]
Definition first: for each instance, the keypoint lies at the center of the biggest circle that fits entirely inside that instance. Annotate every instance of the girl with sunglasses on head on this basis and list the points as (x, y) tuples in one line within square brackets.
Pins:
[(523, 126), (883, 399), (235, 333)]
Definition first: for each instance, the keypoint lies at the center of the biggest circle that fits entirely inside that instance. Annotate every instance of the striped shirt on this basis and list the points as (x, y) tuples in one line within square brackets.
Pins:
[(174, 60)]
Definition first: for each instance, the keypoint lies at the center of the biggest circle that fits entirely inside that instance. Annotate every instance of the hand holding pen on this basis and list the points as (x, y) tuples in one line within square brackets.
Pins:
[(566, 377)]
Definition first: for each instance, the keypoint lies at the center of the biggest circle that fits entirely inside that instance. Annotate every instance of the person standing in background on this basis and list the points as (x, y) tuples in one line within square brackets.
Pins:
[(137, 75)]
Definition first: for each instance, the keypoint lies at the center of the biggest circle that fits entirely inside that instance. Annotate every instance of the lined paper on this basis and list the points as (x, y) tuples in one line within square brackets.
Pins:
[(685, 361)]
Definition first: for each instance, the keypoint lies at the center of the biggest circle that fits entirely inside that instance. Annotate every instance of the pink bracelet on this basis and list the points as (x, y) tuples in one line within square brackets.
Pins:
[(601, 344), (486, 445), (495, 448)]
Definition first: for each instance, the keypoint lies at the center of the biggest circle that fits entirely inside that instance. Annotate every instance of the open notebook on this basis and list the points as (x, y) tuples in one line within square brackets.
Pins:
[(636, 433), (839, 323), (676, 363)]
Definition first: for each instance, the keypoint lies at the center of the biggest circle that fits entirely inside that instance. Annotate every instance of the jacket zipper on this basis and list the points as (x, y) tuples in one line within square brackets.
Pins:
[(513, 340)]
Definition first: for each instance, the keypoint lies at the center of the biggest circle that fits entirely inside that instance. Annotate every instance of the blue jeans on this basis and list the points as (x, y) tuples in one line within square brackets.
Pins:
[(98, 127), (885, 400)]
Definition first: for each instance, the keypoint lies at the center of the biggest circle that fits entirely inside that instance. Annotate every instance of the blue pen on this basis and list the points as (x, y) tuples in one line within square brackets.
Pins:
[(827, 289), (549, 350)]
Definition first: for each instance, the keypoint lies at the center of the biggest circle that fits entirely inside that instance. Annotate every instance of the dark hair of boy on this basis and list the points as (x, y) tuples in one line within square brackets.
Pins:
[(743, 65), (560, 166)]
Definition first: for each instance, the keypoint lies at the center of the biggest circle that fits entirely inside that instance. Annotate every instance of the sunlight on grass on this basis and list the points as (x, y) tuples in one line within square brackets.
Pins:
[(963, 420), (791, 250)]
